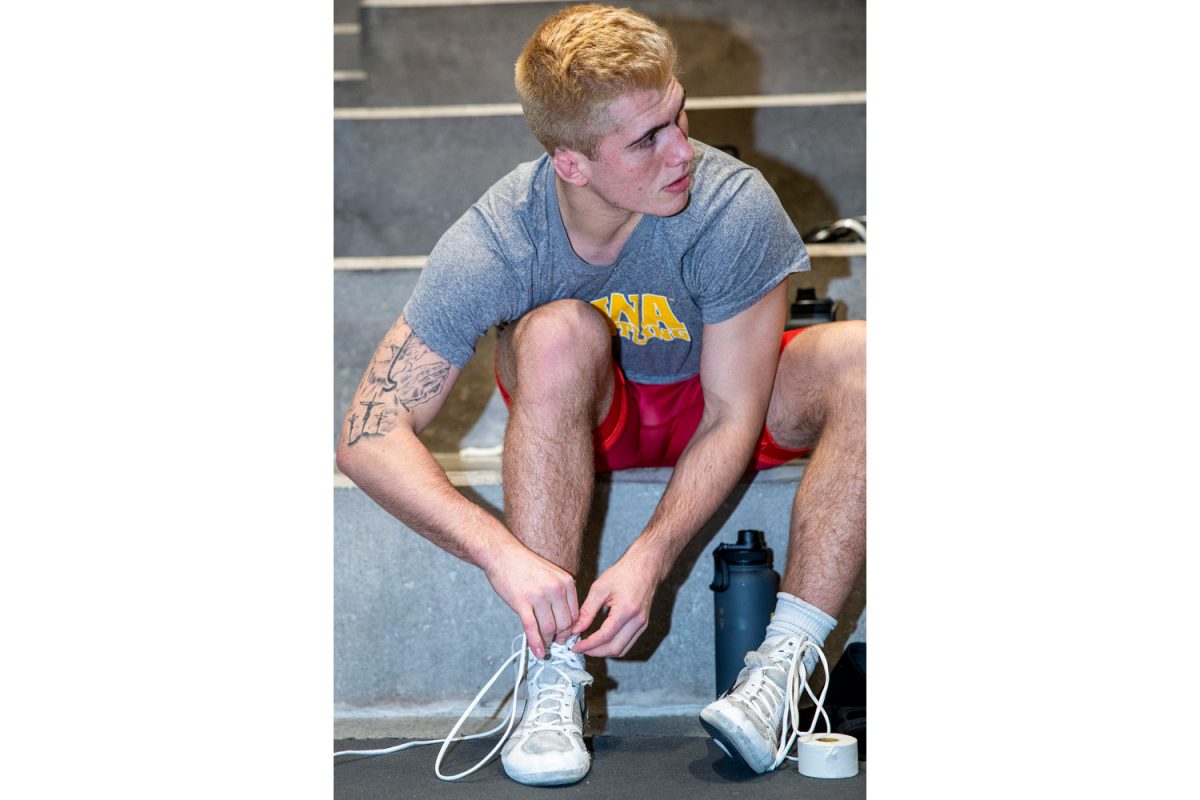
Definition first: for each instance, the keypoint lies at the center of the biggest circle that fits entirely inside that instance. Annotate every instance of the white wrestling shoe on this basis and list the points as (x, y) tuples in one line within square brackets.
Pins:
[(547, 747), (756, 720)]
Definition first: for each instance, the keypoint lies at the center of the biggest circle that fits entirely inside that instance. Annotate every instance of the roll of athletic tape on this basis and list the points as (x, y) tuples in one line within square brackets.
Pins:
[(828, 755)]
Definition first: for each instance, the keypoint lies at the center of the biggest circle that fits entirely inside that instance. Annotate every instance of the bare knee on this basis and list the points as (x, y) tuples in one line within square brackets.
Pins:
[(821, 376), (561, 348), (845, 349)]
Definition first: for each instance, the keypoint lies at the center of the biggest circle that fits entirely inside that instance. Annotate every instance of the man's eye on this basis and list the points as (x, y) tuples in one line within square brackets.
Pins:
[(648, 141)]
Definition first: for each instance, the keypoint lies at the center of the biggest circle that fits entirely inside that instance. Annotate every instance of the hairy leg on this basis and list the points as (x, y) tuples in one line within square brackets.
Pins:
[(819, 400), (556, 363)]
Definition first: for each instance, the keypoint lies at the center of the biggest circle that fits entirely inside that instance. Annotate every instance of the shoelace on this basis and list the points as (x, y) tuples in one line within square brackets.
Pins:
[(519, 656), (797, 677), (763, 693), (555, 700)]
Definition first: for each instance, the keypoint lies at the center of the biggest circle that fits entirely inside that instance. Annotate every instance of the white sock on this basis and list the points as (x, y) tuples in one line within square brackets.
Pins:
[(794, 617)]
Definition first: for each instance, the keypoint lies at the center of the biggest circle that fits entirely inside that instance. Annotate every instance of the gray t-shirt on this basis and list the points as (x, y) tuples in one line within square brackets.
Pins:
[(509, 254)]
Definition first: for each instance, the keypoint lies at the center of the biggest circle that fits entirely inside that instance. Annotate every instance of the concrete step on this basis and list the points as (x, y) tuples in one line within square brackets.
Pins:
[(348, 93), (400, 183), (349, 85), (465, 54), (345, 11), (418, 632), (347, 48), (384, 723)]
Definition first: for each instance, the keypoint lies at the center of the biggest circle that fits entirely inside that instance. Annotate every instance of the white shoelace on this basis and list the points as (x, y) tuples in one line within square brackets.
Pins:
[(797, 676), (555, 701), (762, 694), (519, 656)]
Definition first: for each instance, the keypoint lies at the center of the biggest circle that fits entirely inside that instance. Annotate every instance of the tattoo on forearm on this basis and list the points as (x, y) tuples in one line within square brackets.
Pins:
[(411, 375)]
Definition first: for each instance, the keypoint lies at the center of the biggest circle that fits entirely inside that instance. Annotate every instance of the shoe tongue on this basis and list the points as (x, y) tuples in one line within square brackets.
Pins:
[(775, 653), (774, 644), (579, 676)]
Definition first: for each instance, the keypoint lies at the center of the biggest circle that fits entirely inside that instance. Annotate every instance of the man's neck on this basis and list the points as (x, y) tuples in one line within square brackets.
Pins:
[(597, 231)]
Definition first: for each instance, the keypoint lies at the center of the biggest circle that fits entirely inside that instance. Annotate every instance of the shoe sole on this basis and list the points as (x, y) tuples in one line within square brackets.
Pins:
[(560, 777), (551, 772), (549, 779), (733, 743)]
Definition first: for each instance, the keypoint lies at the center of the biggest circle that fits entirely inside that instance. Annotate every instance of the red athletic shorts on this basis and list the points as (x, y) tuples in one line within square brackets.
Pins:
[(648, 425)]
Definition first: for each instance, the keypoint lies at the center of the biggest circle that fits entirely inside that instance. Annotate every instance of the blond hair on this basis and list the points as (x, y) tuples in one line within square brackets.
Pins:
[(581, 59)]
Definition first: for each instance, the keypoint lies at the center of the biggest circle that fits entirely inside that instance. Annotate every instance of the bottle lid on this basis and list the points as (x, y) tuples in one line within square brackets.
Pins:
[(751, 548), (809, 306)]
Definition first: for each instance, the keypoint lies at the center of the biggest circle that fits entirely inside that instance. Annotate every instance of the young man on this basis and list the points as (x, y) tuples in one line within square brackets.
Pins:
[(638, 279)]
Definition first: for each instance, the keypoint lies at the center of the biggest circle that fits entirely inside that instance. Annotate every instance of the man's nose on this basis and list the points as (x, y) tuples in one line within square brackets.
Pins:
[(681, 148)]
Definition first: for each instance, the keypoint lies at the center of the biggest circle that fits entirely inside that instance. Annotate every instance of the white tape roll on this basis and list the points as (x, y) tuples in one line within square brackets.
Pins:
[(827, 755)]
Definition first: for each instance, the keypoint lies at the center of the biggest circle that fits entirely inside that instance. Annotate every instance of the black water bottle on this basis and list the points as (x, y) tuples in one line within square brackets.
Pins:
[(809, 310), (744, 587)]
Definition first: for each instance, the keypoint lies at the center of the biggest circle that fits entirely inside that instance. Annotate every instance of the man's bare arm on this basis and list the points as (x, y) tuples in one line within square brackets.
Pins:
[(737, 370), (403, 389), (404, 375)]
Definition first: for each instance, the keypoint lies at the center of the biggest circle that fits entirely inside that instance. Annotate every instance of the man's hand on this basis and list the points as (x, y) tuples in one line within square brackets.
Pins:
[(542, 595), (626, 589)]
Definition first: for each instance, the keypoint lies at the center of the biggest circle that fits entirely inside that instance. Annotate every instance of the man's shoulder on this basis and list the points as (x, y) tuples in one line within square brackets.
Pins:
[(507, 218), (721, 182), (717, 171), (518, 192)]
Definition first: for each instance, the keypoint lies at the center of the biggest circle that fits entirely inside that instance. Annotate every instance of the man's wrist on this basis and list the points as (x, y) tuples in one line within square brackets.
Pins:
[(493, 544), (647, 556)]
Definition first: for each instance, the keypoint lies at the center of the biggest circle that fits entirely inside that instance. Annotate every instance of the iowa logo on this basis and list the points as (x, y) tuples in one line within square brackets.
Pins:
[(642, 317)]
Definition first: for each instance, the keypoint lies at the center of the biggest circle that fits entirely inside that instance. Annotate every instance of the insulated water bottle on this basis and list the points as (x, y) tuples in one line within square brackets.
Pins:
[(809, 310), (744, 587)]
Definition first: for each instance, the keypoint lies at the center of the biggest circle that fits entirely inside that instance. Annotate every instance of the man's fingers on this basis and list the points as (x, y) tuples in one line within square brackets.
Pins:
[(625, 639), (616, 635), (595, 600), (573, 601), (566, 624), (564, 620), (542, 595), (546, 623), (618, 643), (601, 637), (533, 636)]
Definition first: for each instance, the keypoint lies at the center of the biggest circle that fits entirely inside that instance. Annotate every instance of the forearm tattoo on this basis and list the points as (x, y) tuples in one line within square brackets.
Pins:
[(410, 375)]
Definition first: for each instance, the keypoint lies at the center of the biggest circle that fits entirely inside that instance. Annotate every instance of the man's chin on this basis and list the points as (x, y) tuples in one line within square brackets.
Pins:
[(687, 200), (668, 211)]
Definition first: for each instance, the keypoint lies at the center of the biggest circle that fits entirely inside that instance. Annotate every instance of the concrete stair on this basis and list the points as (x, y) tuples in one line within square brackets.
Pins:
[(349, 83), (464, 54), (416, 630), (415, 627)]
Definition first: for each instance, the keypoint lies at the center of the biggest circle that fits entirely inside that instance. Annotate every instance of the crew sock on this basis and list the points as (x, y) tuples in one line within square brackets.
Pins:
[(794, 617)]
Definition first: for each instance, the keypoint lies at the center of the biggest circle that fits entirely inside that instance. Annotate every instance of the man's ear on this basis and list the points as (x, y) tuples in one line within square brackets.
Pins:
[(571, 166)]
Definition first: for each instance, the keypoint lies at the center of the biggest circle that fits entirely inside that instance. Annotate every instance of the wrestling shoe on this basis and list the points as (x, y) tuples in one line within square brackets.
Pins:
[(755, 721), (547, 747)]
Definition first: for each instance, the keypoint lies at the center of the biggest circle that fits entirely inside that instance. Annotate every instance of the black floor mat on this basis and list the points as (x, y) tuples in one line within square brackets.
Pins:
[(658, 767)]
